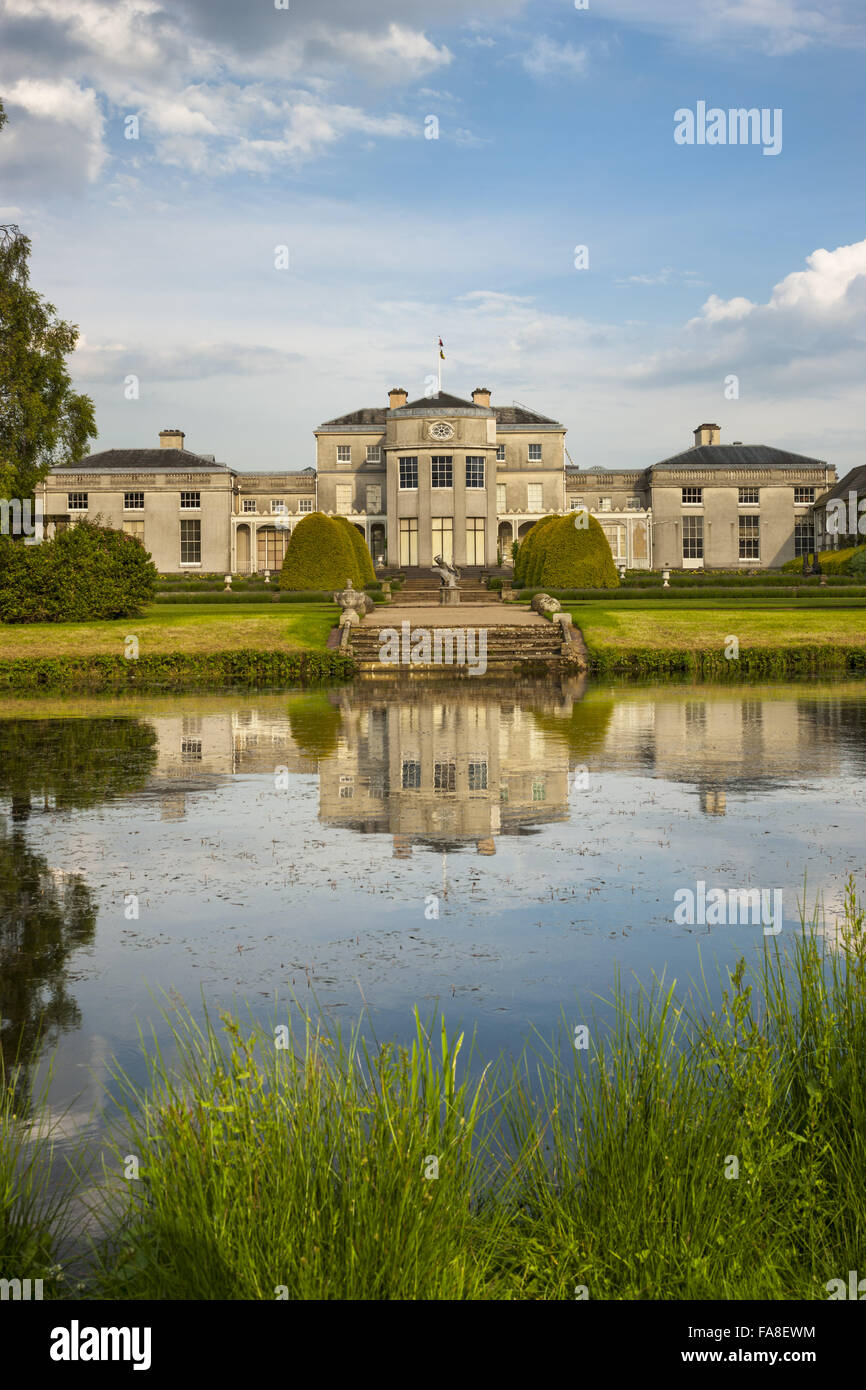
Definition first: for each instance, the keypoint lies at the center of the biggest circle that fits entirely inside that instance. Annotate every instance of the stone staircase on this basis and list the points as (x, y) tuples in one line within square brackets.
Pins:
[(509, 649), (421, 589)]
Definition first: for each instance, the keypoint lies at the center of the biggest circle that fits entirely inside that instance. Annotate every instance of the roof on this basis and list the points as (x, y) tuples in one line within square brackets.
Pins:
[(146, 460), (738, 456), (519, 415), (855, 481), (377, 416)]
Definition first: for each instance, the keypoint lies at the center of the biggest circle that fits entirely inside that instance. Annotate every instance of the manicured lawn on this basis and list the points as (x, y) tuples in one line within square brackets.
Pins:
[(183, 628), (657, 626)]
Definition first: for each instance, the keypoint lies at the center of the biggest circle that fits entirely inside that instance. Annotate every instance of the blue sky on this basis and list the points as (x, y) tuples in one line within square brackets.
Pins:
[(305, 127)]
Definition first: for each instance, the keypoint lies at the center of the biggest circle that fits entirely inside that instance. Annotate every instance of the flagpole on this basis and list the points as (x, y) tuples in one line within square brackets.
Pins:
[(439, 363)]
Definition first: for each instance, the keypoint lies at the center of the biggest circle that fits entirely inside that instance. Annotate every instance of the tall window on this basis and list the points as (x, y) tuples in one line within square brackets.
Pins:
[(271, 546), (535, 453), (374, 453), (500, 453), (445, 777), (411, 774), (616, 540), (475, 541), (190, 542), (441, 471), (749, 496), (474, 471), (305, 504), (190, 501), (693, 538), (374, 500), (443, 537), (693, 496), (409, 473), (344, 453), (477, 771), (803, 496), (136, 529), (750, 538), (804, 535), (534, 497), (344, 498), (501, 498), (76, 501), (133, 501), (409, 540)]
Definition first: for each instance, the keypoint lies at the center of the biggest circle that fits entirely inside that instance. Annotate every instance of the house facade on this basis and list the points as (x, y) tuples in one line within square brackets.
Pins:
[(457, 477)]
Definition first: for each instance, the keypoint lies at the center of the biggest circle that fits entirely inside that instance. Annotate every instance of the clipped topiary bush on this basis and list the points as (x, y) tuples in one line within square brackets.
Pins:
[(362, 554), (572, 556), (526, 552), (320, 555), (857, 563), (84, 574)]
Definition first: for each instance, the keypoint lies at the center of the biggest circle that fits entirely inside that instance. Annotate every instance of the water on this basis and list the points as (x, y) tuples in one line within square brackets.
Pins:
[(496, 854)]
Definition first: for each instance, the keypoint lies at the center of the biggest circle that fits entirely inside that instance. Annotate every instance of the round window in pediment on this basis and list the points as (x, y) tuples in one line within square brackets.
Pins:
[(441, 430)]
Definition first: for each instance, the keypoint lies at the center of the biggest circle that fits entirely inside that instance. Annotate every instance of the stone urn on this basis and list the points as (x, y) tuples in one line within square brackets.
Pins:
[(353, 600)]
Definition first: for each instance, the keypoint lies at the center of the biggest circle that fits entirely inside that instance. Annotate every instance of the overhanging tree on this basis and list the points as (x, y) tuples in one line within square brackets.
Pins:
[(44, 423)]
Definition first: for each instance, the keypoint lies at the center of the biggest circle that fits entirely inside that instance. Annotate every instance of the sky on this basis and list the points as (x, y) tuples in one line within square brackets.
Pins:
[(242, 205)]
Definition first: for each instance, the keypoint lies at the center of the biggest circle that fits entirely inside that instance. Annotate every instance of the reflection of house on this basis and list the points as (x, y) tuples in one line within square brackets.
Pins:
[(720, 743), (444, 772)]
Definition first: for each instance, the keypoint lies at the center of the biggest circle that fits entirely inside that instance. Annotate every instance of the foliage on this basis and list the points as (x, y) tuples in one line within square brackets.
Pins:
[(43, 422), (526, 550), (87, 573), (831, 561), (321, 556), (306, 1167), (570, 556), (176, 671), (366, 572)]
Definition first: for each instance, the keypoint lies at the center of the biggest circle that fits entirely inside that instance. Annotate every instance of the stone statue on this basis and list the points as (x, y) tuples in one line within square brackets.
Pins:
[(449, 574)]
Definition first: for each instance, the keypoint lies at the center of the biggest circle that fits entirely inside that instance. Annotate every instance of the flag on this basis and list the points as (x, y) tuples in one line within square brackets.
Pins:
[(441, 349)]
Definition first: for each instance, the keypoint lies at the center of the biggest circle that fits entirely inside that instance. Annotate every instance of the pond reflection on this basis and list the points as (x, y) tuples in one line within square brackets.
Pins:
[(245, 846)]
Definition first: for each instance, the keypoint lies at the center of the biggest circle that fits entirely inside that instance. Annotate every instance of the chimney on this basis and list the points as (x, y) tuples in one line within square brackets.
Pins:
[(707, 434), (398, 397), (171, 439), (481, 396)]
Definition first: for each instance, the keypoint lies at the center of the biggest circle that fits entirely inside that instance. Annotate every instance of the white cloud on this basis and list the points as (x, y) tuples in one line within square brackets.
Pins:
[(776, 27), (54, 128), (545, 58)]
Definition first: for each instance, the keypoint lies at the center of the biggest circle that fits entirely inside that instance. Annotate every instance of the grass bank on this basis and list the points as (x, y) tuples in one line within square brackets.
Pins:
[(690, 1152), (184, 647), (649, 638)]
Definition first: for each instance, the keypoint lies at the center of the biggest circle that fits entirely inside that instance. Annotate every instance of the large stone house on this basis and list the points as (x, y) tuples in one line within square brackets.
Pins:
[(456, 477)]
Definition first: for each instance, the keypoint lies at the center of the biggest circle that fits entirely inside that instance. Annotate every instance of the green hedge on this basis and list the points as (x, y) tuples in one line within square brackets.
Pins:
[(84, 574), (270, 595), (219, 670), (831, 561), (758, 661), (564, 554), (671, 595), (527, 548), (323, 555)]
